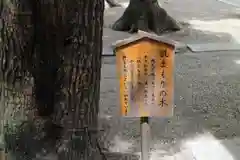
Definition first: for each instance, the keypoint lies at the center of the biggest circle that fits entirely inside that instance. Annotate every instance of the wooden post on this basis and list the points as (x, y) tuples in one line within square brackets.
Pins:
[(145, 138)]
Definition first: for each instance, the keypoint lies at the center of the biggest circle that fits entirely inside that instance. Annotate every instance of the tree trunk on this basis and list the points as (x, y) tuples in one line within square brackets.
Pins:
[(15, 78), (62, 56), (113, 3), (80, 78), (145, 15)]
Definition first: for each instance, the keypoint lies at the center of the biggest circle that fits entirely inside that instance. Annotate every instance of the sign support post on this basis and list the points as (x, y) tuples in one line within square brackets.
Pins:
[(145, 138)]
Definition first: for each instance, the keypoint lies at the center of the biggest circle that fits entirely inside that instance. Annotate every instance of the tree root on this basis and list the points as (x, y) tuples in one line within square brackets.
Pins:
[(147, 16), (113, 3)]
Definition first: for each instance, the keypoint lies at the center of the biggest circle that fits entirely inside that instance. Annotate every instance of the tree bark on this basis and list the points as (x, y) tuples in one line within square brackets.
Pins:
[(145, 15), (80, 76), (113, 3), (62, 56), (15, 78)]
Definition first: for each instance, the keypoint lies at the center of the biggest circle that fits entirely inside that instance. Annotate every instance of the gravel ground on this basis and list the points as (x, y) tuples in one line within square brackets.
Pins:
[(206, 98), (206, 86)]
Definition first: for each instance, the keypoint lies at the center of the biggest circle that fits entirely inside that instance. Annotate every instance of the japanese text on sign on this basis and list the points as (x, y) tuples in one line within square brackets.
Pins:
[(146, 79)]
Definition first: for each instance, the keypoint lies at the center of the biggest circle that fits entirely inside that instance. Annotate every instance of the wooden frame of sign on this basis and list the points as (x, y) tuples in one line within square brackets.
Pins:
[(145, 67)]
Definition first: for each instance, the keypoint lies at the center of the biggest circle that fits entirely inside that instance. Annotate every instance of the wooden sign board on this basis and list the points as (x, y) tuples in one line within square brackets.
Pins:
[(146, 71)]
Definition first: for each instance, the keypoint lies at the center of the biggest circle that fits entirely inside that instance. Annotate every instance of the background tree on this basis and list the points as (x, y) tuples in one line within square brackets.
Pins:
[(145, 15), (56, 47)]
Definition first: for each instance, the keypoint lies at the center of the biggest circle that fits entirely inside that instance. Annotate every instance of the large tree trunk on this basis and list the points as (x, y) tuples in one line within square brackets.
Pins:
[(62, 58), (80, 76), (14, 75), (15, 78), (145, 15)]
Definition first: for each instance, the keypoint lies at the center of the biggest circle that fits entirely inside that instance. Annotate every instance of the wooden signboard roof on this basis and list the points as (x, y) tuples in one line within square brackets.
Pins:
[(141, 35)]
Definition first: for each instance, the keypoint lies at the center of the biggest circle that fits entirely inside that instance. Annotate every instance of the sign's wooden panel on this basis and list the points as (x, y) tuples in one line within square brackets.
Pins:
[(146, 71)]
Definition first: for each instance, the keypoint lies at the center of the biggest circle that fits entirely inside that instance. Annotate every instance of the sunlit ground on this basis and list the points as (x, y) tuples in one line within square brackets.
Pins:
[(201, 147), (230, 26), (231, 2), (123, 4), (237, 61)]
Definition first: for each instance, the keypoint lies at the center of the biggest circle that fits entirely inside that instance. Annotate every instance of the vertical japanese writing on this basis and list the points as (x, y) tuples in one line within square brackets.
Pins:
[(132, 81), (164, 53), (139, 71), (153, 67), (163, 65), (125, 85), (145, 66)]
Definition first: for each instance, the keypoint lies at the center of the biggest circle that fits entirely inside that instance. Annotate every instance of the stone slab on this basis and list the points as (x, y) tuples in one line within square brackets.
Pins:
[(208, 47)]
